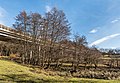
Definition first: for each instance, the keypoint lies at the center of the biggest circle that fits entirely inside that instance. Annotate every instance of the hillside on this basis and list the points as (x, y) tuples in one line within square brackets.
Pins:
[(15, 73)]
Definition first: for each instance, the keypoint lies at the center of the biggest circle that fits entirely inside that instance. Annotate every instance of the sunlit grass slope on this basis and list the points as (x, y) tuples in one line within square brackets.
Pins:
[(11, 72)]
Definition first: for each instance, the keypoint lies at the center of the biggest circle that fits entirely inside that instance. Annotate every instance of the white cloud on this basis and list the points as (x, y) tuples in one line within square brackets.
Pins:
[(48, 8), (116, 20), (93, 31), (113, 47), (104, 39)]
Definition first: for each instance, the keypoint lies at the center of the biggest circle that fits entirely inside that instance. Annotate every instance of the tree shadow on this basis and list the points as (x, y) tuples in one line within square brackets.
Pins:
[(25, 78), (19, 78)]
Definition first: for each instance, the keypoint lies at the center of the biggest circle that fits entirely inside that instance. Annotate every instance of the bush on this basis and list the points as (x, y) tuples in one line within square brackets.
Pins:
[(98, 74), (12, 56)]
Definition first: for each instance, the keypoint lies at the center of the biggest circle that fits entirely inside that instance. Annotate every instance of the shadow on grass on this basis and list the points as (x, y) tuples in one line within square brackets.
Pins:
[(84, 81), (24, 78), (20, 78)]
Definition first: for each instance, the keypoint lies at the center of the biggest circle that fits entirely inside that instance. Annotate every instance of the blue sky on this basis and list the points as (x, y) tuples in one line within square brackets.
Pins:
[(98, 20)]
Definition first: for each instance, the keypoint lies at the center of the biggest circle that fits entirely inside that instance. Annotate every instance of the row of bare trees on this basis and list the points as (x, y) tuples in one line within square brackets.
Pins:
[(49, 42), (110, 51)]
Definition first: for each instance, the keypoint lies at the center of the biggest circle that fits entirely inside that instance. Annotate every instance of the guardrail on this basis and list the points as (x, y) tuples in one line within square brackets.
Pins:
[(7, 28), (12, 32)]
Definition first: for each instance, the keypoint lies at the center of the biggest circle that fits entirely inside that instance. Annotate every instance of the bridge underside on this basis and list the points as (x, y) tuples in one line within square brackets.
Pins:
[(4, 38), (10, 40)]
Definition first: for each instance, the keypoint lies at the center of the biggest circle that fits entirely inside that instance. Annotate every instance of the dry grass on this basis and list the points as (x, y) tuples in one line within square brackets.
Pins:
[(11, 72)]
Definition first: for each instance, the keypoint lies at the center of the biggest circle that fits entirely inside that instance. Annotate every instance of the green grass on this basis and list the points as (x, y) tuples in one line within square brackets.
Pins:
[(11, 72)]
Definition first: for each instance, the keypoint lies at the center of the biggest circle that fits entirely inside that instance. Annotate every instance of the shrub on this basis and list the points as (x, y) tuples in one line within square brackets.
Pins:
[(12, 56)]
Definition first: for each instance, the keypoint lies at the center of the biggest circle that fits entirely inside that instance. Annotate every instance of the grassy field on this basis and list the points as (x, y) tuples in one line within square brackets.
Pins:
[(11, 72)]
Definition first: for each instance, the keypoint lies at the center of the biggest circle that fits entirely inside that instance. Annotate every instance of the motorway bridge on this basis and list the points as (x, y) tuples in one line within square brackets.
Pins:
[(8, 34)]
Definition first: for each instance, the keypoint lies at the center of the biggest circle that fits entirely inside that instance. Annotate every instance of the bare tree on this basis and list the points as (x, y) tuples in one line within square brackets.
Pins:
[(35, 26), (58, 29), (22, 26), (79, 44)]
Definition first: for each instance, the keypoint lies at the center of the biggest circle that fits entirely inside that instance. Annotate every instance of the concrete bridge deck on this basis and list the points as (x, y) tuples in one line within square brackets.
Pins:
[(8, 34)]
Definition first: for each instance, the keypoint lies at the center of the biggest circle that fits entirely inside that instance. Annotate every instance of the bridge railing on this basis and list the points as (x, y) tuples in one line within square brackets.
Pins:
[(10, 29), (6, 28), (13, 31)]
